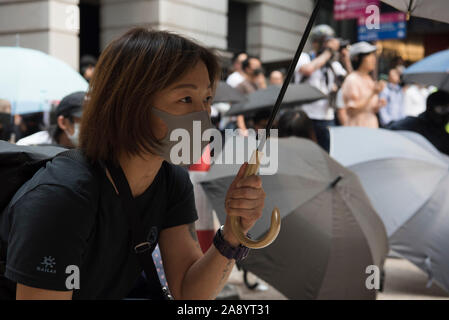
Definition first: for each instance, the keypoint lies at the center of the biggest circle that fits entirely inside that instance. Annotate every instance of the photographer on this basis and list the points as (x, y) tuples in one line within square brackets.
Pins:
[(254, 80), (253, 74), (321, 69)]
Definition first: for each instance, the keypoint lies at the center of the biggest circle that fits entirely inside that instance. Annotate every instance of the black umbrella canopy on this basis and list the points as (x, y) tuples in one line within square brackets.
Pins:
[(265, 99), (226, 93)]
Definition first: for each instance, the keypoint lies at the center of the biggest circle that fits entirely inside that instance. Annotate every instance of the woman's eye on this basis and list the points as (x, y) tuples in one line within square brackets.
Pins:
[(208, 99), (186, 100)]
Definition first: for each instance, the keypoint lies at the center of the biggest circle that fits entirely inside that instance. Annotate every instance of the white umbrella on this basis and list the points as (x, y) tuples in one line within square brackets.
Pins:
[(430, 9), (31, 80), (407, 180)]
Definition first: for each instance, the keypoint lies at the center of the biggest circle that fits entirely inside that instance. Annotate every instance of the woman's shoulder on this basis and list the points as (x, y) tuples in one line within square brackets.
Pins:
[(175, 172), (63, 196), (352, 79), (178, 178), (76, 179), (181, 201), (351, 84)]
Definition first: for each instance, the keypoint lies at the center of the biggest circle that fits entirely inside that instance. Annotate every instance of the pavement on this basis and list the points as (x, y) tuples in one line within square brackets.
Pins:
[(403, 281)]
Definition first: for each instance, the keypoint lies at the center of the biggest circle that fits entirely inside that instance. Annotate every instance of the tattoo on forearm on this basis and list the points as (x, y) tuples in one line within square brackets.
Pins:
[(224, 275), (226, 271), (192, 232)]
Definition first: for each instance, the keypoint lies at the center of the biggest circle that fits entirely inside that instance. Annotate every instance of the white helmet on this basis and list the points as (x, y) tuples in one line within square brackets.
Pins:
[(322, 31)]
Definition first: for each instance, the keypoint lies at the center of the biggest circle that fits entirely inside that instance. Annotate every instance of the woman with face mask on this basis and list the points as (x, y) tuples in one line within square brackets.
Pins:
[(71, 220), (65, 132)]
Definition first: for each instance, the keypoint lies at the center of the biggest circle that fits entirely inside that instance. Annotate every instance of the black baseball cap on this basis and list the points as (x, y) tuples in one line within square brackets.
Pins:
[(71, 105), (88, 60)]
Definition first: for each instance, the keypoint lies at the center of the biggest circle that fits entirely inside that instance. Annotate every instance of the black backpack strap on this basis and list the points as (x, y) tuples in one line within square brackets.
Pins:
[(141, 246), (74, 154)]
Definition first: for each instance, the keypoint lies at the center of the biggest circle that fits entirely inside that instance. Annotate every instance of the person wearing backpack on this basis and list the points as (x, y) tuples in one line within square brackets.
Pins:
[(321, 69), (85, 224)]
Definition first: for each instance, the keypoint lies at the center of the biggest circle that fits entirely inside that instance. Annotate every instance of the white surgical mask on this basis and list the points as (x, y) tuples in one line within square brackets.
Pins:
[(74, 138)]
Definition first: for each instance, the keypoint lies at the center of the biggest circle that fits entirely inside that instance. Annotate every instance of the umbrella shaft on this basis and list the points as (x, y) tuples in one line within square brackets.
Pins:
[(292, 67)]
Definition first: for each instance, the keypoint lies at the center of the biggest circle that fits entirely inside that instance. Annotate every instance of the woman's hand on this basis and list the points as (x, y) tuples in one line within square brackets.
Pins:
[(245, 199), (379, 86)]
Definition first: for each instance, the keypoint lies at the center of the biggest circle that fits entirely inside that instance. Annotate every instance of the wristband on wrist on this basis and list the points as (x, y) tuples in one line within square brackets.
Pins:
[(227, 250)]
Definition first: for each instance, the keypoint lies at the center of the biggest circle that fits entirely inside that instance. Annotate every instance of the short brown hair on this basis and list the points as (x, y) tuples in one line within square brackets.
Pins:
[(129, 72)]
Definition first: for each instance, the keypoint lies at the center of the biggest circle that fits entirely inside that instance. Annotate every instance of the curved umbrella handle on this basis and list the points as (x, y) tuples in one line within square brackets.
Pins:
[(275, 226)]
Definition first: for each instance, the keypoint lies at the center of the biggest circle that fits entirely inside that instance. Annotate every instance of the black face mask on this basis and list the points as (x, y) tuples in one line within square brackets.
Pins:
[(440, 115)]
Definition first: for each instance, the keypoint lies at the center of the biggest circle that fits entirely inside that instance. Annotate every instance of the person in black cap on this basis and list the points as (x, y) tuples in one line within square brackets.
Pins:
[(432, 123), (66, 131), (87, 66)]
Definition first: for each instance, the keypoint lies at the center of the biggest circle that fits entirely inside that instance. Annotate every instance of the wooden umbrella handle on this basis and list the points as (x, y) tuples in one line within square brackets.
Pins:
[(275, 226)]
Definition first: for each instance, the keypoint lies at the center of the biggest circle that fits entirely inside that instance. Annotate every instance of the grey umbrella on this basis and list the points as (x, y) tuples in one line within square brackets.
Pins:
[(330, 232), (407, 181), (265, 99), (226, 93), (434, 9)]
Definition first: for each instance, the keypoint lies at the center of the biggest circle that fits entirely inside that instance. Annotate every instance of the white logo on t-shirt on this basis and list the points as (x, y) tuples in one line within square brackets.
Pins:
[(47, 265)]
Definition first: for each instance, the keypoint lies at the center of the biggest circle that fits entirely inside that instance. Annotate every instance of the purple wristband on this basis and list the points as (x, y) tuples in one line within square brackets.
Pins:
[(238, 253)]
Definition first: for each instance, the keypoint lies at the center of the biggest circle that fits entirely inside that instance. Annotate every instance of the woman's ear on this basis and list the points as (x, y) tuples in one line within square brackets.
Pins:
[(62, 122)]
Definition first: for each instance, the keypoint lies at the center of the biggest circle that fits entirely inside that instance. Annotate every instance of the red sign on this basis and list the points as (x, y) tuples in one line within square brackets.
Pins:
[(351, 9)]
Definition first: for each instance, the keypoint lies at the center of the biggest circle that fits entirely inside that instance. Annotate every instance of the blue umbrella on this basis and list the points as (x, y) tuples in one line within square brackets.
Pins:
[(433, 70), (31, 80)]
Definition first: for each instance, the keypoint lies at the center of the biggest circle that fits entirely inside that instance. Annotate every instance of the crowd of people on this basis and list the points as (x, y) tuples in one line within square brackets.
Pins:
[(347, 75)]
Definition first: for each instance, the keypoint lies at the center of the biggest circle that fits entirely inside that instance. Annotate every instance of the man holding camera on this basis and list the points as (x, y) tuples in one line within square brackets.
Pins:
[(254, 76), (254, 80), (321, 69)]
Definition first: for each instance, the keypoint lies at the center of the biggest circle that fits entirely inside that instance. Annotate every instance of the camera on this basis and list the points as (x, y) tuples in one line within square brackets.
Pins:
[(344, 43), (257, 71)]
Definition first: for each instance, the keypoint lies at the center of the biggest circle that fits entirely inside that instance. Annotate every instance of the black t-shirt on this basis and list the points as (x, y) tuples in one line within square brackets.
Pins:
[(68, 214)]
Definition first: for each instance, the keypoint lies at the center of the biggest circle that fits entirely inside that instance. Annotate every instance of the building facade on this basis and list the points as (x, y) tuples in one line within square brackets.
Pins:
[(67, 29)]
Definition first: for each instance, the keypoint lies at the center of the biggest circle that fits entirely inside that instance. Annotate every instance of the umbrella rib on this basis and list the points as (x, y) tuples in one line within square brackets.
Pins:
[(395, 158)]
